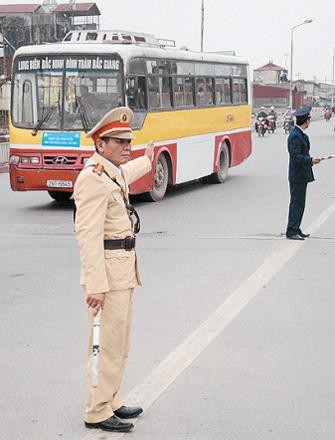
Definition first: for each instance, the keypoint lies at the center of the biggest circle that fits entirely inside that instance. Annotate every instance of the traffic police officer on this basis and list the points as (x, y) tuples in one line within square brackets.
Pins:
[(300, 172), (105, 230)]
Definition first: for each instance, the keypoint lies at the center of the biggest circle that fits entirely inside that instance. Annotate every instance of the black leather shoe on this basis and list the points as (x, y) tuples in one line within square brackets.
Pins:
[(295, 237), (111, 424), (128, 412), (303, 235)]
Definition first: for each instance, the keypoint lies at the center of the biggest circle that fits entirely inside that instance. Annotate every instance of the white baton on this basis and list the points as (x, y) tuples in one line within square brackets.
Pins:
[(96, 349)]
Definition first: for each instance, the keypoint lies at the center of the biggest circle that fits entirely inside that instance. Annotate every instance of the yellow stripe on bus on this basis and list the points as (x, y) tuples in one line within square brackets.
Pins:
[(160, 126), (180, 124)]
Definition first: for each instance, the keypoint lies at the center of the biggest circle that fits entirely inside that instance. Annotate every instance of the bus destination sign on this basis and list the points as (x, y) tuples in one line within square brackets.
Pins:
[(68, 63)]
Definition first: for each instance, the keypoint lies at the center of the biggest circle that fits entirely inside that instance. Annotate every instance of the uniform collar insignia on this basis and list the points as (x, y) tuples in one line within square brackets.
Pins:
[(97, 159), (99, 169)]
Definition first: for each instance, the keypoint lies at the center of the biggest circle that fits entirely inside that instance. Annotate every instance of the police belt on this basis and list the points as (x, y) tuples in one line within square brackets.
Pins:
[(127, 243)]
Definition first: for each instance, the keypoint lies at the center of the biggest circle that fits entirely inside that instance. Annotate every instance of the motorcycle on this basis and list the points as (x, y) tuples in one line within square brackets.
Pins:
[(261, 126), (327, 115), (271, 123), (288, 125)]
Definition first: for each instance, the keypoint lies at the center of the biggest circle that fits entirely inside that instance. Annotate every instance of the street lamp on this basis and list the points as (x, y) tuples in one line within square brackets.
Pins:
[(291, 69)]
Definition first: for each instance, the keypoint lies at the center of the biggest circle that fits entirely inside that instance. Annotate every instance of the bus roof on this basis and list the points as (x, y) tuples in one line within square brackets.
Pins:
[(126, 52)]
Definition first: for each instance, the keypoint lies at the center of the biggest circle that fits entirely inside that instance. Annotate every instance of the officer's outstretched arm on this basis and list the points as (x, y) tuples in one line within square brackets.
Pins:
[(149, 151), (134, 169)]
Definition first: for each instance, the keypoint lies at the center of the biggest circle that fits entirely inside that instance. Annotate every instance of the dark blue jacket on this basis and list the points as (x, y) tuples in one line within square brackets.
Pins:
[(300, 165)]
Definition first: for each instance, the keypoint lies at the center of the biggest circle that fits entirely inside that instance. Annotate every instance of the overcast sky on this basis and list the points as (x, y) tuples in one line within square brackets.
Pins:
[(256, 29)]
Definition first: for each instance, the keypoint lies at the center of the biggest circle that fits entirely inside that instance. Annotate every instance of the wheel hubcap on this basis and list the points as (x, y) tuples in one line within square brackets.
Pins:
[(159, 175)]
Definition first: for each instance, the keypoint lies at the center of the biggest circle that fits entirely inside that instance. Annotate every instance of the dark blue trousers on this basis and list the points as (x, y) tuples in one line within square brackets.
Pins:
[(296, 208)]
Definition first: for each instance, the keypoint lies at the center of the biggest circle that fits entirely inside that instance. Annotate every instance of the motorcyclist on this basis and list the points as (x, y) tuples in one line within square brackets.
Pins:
[(327, 113), (288, 113), (261, 115), (288, 116), (273, 113)]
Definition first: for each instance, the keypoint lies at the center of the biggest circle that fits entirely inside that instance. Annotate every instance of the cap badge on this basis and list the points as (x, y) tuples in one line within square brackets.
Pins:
[(124, 117)]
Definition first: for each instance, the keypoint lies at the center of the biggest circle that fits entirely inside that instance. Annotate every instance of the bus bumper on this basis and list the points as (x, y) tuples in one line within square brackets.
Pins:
[(22, 179)]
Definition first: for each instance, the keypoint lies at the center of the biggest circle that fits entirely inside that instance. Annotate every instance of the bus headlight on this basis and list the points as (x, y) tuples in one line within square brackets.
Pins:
[(14, 159), (30, 159)]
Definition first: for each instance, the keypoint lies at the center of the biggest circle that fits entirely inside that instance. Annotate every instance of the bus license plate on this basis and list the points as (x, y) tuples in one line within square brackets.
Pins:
[(59, 183)]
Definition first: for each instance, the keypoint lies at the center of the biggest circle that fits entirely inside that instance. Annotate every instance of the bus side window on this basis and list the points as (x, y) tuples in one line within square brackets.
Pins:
[(178, 90), (166, 92), (228, 90), (189, 91), (200, 92), (244, 91), (209, 91), (205, 91), (27, 102), (219, 93), (131, 92), (142, 92), (223, 91), (239, 91), (154, 96), (136, 92)]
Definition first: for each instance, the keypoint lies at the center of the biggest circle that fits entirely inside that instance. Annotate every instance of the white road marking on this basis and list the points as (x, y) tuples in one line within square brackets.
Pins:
[(147, 392)]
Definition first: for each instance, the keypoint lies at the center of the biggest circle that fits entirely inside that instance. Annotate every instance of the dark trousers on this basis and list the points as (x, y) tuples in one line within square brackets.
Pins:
[(296, 208)]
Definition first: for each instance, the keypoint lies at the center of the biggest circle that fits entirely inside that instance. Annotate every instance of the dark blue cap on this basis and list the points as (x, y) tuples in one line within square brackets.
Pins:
[(303, 111)]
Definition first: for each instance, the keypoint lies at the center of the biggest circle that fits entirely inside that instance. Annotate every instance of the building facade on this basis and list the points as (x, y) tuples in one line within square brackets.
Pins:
[(24, 24), (271, 87)]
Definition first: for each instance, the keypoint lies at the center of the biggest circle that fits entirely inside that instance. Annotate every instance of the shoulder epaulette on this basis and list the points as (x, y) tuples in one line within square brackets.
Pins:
[(98, 169)]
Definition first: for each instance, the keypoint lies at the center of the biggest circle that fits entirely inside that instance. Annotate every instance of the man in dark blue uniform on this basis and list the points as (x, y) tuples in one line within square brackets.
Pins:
[(300, 172)]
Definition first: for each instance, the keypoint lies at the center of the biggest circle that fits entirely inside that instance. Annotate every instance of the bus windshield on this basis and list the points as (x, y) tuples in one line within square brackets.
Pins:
[(65, 92)]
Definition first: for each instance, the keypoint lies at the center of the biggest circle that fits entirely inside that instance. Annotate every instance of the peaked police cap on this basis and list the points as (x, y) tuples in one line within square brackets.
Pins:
[(303, 111), (116, 123)]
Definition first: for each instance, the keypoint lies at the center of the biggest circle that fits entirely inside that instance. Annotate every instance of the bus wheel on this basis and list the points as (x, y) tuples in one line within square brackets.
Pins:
[(223, 166), (60, 196), (161, 180)]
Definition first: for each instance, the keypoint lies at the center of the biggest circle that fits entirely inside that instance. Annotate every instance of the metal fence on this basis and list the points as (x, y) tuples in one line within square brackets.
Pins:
[(4, 153)]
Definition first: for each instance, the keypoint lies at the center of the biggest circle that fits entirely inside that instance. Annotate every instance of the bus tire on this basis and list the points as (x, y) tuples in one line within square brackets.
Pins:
[(222, 173), (60, 196), (161, 180)]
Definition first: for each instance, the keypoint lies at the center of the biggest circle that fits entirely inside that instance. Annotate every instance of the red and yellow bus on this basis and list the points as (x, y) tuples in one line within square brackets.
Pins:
[(194, 106)]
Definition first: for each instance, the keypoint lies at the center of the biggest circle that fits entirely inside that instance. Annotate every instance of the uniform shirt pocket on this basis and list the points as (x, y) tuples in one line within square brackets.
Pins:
[(117, 197), (120, 269)]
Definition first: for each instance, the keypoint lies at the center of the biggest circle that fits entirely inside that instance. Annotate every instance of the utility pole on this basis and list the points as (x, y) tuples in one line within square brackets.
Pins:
[(72, 5), (202, 24), (49, 6), (286, 57), (333, 74), (4, 64)]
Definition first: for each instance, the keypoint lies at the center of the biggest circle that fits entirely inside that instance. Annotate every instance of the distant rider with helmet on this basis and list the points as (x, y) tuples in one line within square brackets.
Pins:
[(261, 115), (288, 118), (273, 118)]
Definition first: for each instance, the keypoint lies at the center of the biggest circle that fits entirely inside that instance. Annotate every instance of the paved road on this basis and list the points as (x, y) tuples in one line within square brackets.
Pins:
[(233, 331)]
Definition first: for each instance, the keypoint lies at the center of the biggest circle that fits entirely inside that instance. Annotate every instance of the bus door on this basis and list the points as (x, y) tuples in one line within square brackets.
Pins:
[(136, 92)]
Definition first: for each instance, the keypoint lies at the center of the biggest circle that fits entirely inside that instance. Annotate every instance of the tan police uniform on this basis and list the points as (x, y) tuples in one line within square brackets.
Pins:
[(101, 215)]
